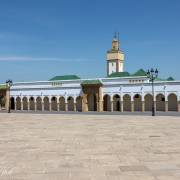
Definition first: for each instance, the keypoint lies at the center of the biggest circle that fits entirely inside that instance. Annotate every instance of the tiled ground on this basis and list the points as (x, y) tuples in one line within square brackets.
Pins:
[(80, 147)]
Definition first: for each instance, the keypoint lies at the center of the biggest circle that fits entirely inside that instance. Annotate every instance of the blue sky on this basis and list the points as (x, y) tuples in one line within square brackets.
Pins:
[(43, 38)]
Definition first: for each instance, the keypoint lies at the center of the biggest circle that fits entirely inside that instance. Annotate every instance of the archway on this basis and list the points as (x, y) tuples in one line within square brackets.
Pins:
[(127, 102), (70, 102), (160, 102), (116, 103), (172, 102), (62, 104), (12, 103), (137, 103), (39, 104), (25, 103), (46, 103), (79, 103), (107, 103), (18, 103), (54, 103), (92, 102), (31, 104), (148, 102)]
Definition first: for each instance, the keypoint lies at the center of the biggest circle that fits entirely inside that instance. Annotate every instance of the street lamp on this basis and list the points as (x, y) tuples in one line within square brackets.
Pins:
[(9, 83), (152, 75)]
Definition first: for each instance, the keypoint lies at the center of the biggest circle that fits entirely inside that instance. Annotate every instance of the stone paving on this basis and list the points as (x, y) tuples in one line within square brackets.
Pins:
[(89, 147)]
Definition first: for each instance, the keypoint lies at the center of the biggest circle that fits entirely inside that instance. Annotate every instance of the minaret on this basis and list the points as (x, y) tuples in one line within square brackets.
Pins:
[(115, 57)]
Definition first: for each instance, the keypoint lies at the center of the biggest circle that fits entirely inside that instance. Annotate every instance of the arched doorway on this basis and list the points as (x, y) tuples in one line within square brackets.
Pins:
[(31, 104), (39, 104), (160, 102), (2, 101), (54, 103), (79, 103), (116, 103), (62, 104), (137, 103), (70, 102), (127, 102), (12, 103), (18, 103), (172, 102), (46, 103), (25, 103), (92, 102), (148, 102), (107, 103)]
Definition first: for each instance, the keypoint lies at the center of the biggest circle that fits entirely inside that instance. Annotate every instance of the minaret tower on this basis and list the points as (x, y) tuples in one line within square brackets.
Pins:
[(115, 57)]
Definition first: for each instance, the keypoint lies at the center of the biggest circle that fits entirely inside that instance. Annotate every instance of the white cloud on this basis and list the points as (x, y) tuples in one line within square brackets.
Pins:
[(26, 58)]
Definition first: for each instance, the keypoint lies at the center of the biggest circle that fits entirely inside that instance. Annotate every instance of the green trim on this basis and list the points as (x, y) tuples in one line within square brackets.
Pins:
[(91, 82), (65, 77)]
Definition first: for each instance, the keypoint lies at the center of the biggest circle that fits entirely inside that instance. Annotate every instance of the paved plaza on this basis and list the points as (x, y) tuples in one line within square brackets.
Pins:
[(89, 147)]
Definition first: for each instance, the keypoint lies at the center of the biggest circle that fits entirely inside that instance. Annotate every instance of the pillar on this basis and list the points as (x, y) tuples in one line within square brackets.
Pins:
[(112, 102), (42, 105), (132, 106), (21, 108), (66, 106), (7, 102), (74, 106), (100, 105), (50, 107), (166, 106), (58, 107), (28, 105), (143, 106), (15, 106), (35, 106), (84, 103), (122, 108), (178, 106)]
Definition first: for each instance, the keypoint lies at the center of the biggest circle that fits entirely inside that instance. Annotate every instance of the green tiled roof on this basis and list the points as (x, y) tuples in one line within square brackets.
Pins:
[(119, 74), (140, 72), (170, 79), (3, 87), (66, 77), (91, 82)]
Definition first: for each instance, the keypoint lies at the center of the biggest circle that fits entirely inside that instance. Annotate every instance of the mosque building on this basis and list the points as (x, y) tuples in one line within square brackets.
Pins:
[(118, 91)]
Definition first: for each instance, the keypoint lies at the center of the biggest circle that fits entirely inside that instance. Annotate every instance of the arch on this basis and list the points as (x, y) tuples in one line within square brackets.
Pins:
[(18, 103), (160, 102), (126, 102), (12, 102), (46, 103), (79, 103), (39, 104), (2, 101), (92, 102), (116, 103), (31, 103), (62, 104), (25, 103), (172, 102), (107, 103), (148, 99), (54, 103), (70, 102), (137, 102)]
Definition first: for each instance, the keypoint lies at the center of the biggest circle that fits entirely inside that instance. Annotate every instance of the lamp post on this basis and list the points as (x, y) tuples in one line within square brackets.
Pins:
[(152, 75), (9, 83)]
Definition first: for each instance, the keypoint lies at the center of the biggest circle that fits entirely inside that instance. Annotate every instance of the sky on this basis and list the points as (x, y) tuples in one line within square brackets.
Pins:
[(40, 39)]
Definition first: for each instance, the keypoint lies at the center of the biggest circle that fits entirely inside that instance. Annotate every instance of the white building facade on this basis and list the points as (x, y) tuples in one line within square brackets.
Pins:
[(119, 91)]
